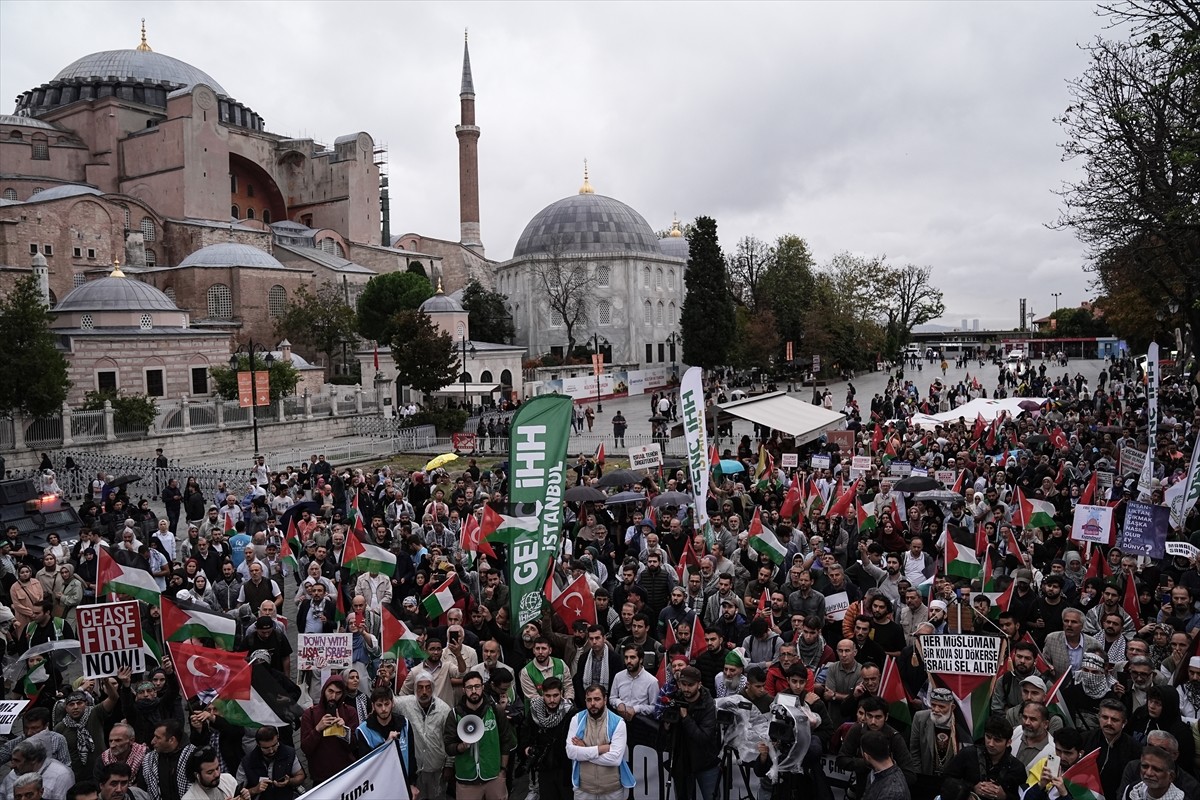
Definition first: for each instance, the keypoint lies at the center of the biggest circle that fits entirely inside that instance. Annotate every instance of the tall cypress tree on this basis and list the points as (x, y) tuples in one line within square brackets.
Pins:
[(35, 370), (707, 321)]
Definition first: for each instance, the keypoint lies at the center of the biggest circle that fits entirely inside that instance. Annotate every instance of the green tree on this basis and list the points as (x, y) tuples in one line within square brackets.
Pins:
[(758, 343), (130, 411), (386, 294), (707, 319), (319, 321), (425, 356), (788, 286), (843, 324), (747, 267), (35, 371), (913, 300), (1132, 126), (1078, 322), (490, 320), (283, 377)]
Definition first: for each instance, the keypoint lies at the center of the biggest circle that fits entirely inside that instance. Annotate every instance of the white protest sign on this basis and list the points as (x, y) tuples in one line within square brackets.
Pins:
[(320, 651), (9, 711), (1132, 461), (110, 637), (645, 456), (901, 469), (945, 477), (820, 462), (789, 460), (919, 472), (1092, 524), (859, 466), (837, 605), (1185, 549), (962, 653)]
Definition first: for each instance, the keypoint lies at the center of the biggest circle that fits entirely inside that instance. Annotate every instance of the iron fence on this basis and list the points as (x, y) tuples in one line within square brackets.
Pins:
[(88, 426), (44, 433)]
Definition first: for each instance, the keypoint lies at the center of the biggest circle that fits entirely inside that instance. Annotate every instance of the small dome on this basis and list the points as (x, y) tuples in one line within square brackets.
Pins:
[(230, 254), (143, 66), (27, 122), (587, 223), (441, 304), (675, 247), (64, 190), (115, 294)]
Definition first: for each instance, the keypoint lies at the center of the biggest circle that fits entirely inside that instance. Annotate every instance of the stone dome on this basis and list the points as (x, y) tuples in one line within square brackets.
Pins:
[(587, 223), (115, 294), (141, 66), (441, 304), (231, 254), (675, 247), (64, 190)]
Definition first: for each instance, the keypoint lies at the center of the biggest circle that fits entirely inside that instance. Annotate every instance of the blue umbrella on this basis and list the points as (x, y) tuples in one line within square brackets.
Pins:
[(729, 466)]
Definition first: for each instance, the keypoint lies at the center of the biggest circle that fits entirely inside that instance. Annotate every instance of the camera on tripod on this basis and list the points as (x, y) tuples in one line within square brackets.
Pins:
[(782, 729)]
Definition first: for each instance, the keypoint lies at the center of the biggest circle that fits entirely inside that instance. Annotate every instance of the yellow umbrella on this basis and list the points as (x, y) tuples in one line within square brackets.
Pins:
[(442, 460)]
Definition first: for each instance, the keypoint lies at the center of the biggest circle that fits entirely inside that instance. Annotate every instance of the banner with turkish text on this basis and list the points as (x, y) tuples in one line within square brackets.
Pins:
[(691, 405)]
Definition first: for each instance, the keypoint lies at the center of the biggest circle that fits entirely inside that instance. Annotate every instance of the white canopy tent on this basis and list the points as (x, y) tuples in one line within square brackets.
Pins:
[(780, 411), (988, 409)]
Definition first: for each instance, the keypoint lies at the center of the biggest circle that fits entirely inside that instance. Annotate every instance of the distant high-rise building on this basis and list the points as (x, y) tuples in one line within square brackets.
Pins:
[(975, 324), (963, 326)]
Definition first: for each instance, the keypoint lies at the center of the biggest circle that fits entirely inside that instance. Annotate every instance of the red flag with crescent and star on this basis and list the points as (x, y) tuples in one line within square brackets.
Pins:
[(574, 602), (209, 672)]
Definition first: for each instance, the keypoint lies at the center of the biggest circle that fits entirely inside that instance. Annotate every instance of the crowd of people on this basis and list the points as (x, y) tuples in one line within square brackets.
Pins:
[(685, 617)]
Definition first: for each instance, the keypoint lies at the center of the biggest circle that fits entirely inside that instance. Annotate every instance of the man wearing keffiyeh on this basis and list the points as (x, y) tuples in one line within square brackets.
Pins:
[(84, 724)]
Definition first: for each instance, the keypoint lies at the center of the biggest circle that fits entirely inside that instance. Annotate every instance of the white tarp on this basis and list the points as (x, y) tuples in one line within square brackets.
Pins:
[(472, 388), (782, 412), (988, 409)]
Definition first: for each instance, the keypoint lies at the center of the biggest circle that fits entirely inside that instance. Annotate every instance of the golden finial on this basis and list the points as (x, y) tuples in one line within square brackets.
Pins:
[(587, 186), (144, 47), (675, 233), (116, 270), (439, 289)]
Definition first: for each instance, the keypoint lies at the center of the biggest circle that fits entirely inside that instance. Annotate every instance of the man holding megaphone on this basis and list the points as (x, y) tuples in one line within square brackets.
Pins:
[(479, 739)]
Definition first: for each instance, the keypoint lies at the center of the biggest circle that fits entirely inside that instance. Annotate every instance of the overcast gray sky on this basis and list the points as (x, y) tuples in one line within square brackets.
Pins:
[(923, 131)]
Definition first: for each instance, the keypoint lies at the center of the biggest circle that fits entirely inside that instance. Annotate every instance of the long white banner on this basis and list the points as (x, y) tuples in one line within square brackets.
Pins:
[(379, 776), (695, 431), (1147, 479)]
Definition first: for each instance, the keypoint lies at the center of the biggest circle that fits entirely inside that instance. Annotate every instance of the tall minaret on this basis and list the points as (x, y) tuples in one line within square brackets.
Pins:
[(468, 160)]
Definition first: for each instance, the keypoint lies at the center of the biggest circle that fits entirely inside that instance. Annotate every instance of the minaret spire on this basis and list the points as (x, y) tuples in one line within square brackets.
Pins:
[(144, 47), (587, 185), (468, 159)]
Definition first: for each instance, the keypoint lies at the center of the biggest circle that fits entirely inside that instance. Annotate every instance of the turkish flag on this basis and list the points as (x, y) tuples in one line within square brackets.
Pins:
[(575, 602), (472, 535), (209, 672)]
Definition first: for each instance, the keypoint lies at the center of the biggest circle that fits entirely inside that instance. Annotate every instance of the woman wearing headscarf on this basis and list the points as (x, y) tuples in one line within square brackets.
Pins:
[(203, 593), (72, 591), (353, 676), (1161, 713), (26, 595)]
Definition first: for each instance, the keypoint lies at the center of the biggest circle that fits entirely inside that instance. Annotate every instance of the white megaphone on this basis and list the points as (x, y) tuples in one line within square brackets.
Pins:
[(470, 729)]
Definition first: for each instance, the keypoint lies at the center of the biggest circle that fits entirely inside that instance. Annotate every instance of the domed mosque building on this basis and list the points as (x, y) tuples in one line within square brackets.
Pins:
[(138, 158), (632, 291)]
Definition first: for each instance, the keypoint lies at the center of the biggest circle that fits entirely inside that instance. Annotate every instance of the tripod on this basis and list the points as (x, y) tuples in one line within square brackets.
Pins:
[(726, 782)]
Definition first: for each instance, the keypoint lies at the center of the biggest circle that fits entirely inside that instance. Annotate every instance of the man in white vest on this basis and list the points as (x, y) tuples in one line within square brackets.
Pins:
[(596, 743)]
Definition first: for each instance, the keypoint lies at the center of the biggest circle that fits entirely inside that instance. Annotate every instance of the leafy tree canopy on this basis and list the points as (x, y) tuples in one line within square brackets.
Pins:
[(319, 321), (35, 371), (707, 319), (386, 294), (283, 377), (490, 320), (425, 356)]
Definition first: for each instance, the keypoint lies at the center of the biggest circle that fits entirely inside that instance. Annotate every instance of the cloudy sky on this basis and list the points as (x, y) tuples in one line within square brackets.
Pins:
[(923, 131)]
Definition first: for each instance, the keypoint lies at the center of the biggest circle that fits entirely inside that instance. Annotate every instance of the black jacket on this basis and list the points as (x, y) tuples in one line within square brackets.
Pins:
[(695, 736), (1112, 758), (330, 613), (972, 765), (548, 746)]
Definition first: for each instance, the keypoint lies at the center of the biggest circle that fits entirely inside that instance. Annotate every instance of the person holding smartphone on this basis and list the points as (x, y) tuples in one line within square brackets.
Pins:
[(271, 771)]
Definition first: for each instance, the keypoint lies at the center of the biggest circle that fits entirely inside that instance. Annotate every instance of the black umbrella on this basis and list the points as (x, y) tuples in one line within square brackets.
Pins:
[(619, 477), (125, 480), (584, 494), (1029, 405), (625, 497), (916, 483), (672, 499), (659, 418), (1036, 439)]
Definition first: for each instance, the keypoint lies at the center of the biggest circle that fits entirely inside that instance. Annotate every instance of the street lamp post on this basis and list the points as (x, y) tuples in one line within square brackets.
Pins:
[(467, 347), (598, 340), (1056, 295), (252, 351), (673, 341)]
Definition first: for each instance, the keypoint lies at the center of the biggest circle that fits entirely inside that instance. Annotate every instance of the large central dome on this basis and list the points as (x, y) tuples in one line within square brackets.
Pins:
[(141, 66), (587, 223)]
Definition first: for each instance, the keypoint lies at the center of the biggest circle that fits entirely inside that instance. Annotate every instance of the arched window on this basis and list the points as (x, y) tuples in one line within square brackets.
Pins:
[(659, 315), (485, 376), (249, 213), (506, 378), (16, 136), (460, 330), (10, 194), (40, 148), (235, 212), (671, 279), (603, 275), (465, 377), (147, 229), (647, 312), (151, 259), (128, 218), (672, 314), (170, 293), (220, 302), (276, 301), (646, 278), (332, 247), (556, 318), (604, 312), (266, 216), (658, 279)]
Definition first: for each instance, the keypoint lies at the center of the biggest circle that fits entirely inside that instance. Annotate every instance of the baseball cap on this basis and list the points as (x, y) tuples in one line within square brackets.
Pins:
[(264, 623), (1034, 680)]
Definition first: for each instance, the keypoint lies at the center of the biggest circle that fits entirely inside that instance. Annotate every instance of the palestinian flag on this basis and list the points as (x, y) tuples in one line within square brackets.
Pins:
[(958, 484), (356, 518), (1032, 513), (360, 557), (441, 599), (1040, 662), (183, 620), (287, 554), (494, 521), (841, 505), (763, 540), (961, 561), (988, 576), (866, 516), (229, 524), (791, 501), (398, 639), (925, 588), (129, 581), (472, 541), (600, 453), (1082, 781), (892, 690), (764, 472), (813, 501), (1013, 547), (972, 693)]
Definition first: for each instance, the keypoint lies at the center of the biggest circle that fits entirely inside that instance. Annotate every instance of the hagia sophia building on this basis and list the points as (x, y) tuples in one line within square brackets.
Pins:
[(133, 166)]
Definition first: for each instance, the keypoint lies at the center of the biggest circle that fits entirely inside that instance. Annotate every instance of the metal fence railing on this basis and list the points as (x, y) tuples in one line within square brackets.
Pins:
[(88, 426), (8, 439), (44, 433)]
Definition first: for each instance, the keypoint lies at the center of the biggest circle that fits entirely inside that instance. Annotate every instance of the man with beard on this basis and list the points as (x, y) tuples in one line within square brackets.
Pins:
[(1033, 690), (935, 738), (912, 614), (598, 662), (657, 583), (1180, 613), (544, 666), (711, 662), (325, 730), (1137, 677), (165, 772), (675, 612), (1189, 691), (271, 770), (1067, 748), (1185, 782), (597, 745), (714, 609), (850, 757), (478, 768), (1049, 609), (208, 781), (426, 715), (805, 599), (868, 651), (84, 724), (1117, 747), (441, 671), (1092, 684), (634, 690), (543, 741), (989, 772), (1110, 603), (811, 649), (694, 758), (1022, 661), (1033, 741), (1114, 639), (886, 633)]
